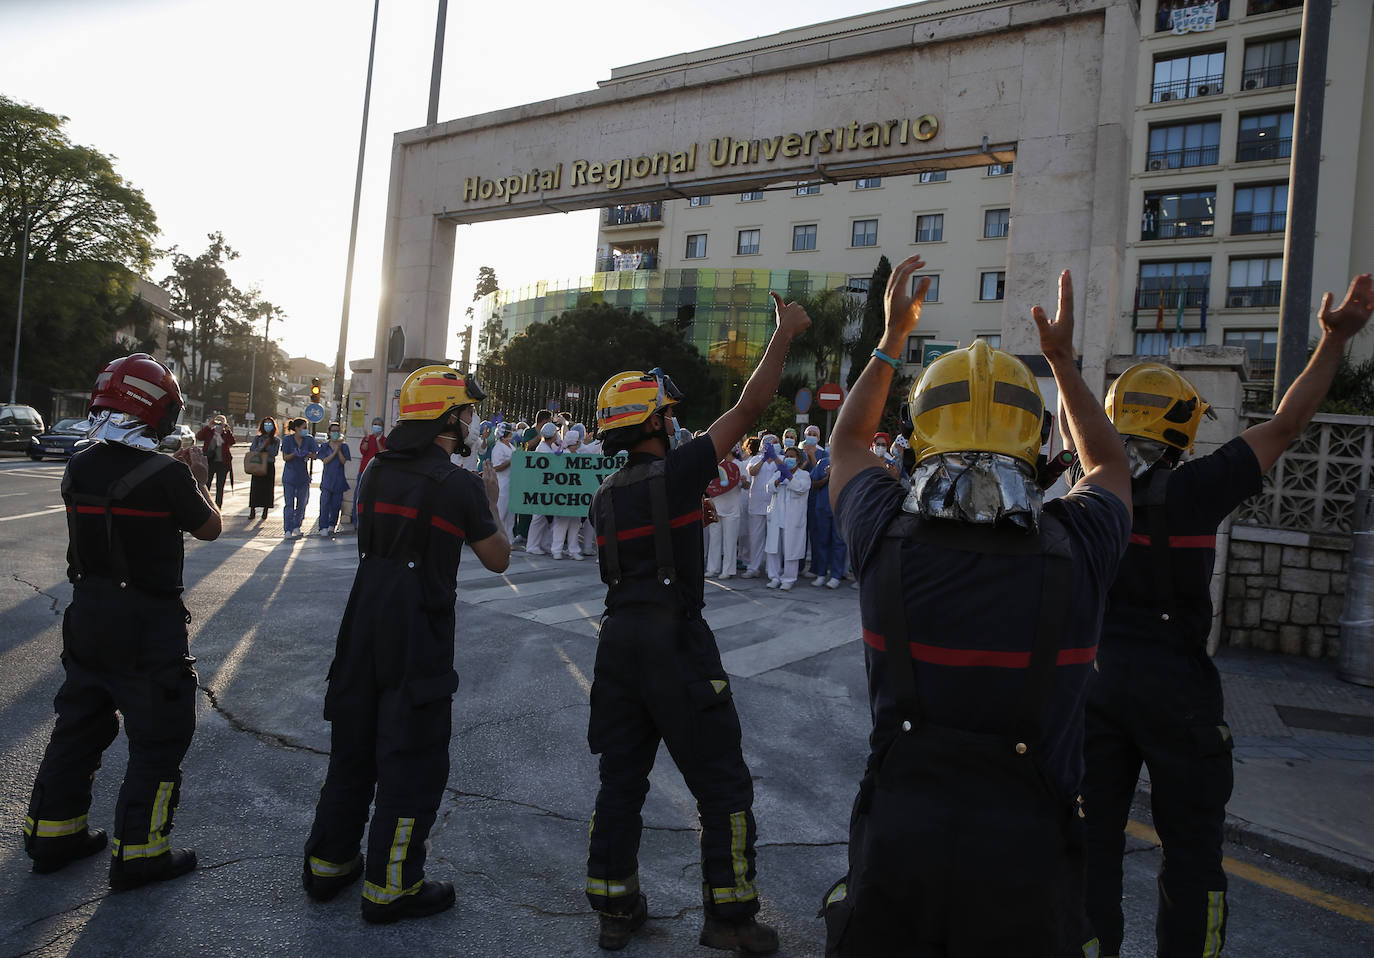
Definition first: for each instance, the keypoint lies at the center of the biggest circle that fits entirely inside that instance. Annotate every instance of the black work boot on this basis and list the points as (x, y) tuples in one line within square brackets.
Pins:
[(327, 887), (137, 872), (60, 852), (431, 898), (617, 927), (747, 934)]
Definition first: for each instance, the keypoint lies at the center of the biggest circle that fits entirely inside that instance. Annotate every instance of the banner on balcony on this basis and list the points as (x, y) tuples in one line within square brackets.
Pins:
[(1193, 17), (548, 484)]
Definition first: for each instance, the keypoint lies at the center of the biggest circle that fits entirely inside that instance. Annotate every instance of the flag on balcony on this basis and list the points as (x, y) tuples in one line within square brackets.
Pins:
[(1159, 315), (1178, 317), (1202, 320)]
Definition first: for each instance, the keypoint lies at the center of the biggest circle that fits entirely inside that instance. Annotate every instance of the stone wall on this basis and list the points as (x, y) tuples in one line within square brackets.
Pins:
[(1285, 591)]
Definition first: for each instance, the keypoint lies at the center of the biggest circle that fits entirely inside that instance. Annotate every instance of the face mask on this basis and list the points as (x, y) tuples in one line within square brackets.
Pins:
[(792, 464), (300, 433), (880, 450), (789, 443), (269, 428), (811, 440), (377, 428), (334, 435)]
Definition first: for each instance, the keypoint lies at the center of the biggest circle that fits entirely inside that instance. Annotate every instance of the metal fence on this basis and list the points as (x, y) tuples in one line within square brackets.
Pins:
[(518, 396), (1312, 487)]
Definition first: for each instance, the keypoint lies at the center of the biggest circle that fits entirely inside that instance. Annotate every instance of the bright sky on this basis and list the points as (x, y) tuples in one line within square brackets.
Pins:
[(243, 116)]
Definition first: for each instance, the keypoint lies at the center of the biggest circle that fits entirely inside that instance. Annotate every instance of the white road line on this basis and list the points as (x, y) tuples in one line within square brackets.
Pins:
[(775, 653), (29, 515), (485, 592), (554, 615), (31, 474)]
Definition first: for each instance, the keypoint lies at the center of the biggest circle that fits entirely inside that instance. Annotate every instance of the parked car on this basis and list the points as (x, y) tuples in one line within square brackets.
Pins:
[(179, 438), (18, 424), (60, 441)]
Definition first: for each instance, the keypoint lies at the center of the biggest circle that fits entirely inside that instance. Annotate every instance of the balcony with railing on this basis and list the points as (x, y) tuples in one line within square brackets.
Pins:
[(1186, 89), (1178, 159), (1152, 298), (1152, 229), (1254, 297), (1274, 222), (1261, 78), (632, 214), (1264, 148)]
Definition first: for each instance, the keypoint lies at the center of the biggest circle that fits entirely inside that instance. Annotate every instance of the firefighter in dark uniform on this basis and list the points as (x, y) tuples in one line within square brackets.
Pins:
[(124, 639), (392, 681), (658, 674), (1156, 697), (980, 606)]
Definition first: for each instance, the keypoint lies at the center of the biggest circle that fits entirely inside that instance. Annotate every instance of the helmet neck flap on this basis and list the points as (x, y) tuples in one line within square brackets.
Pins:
[(975, 487), (108, 425)]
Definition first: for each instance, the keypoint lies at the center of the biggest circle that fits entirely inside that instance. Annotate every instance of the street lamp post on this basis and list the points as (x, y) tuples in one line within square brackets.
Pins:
[(19, 319)]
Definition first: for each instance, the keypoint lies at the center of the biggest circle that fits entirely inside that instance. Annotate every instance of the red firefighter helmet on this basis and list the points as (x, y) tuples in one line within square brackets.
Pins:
[(142, 387)]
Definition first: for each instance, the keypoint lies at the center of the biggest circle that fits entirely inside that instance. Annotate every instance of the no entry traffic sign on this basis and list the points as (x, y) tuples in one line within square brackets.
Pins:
[(830, 396)]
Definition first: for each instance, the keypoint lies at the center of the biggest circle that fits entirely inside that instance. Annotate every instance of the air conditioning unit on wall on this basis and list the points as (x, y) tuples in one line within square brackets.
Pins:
[(1165, 96), (1238, 302), (1204, 90), (1156, 165), (1251, 83)]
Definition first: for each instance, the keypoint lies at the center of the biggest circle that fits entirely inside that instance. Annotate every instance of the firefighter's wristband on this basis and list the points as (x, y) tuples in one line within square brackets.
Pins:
[(896, 364)]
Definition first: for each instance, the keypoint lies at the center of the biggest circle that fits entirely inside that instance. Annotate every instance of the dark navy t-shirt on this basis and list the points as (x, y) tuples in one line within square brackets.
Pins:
[(688, 470), (148, 522), (1201, 493), (972, 618)]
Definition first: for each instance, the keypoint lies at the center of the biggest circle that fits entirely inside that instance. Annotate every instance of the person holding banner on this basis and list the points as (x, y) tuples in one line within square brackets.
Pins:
[(658, 675), (567, 529)]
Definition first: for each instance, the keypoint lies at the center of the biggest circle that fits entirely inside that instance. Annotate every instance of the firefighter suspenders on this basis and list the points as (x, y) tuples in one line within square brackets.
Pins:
[(118, 491), (1153, 498), (604, 504), (418, 540), (1051, 542)]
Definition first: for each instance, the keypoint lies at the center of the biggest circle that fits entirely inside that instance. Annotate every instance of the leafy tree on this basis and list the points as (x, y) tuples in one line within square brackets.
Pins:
[(871, 330), (493, 333), (594, 341), (825, 341), (90, 234), (1352, 389), (204, 295)]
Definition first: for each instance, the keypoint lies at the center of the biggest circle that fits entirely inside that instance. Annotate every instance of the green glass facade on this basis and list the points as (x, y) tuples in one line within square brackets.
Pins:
[(726, 312)]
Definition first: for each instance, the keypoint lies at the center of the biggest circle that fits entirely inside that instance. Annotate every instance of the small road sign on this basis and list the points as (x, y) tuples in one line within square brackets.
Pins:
[(830, 396), (314, 412)]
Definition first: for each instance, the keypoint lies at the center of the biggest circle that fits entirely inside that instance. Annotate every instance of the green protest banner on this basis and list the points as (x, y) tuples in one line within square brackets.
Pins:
[(542, 483)]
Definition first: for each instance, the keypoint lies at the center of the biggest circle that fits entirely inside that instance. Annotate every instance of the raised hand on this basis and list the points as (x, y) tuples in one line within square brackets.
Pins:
[(1345, 322), (901, 308), (1056, 338), (792, 318)]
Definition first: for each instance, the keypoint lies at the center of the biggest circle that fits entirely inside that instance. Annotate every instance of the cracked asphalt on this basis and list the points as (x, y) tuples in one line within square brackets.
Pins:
[(512, 828)]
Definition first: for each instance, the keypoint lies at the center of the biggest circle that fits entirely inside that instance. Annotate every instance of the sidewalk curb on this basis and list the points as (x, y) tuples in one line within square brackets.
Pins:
[(1289, 848)]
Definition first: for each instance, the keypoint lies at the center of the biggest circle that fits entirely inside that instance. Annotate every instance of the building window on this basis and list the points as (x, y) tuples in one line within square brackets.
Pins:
[(1254, 282), (930, 227), (696, 246), (1260, 209), (699, 201), (992, 339), (1264, 136), (999, 169), (1178, 215), (992, 285), (858, 284), (1270, 63), (751, 196), (914, 348), (932, 294), (1261, 344), (804, 237), (809, 189), (933, 176), (1178, 145), (1159, 342), (1185, 77), (868, 183), (864, 233), (1162, 284), (1186, 16), (748, 242), (996, 223)]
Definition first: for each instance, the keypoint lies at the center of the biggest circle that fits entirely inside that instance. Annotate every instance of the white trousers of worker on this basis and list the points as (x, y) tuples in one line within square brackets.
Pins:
[(758, 536), (783, 569), (722, 541), (503, 510), (566, 540), (540, 536)]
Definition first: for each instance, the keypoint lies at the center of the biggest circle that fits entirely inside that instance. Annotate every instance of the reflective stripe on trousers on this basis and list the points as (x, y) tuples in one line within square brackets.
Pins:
[(158, 842), (394, 891), (45, 828), (743, 889)]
